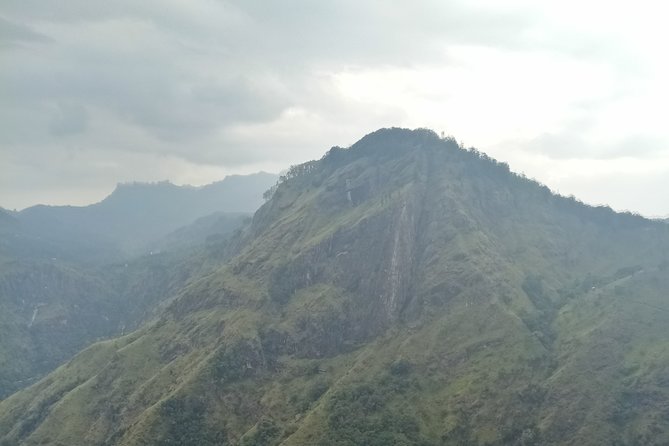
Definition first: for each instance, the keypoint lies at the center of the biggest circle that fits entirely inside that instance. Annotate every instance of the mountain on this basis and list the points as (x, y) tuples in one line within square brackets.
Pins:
[(137, 214), (403, 291), (6, 219), (67, 277)]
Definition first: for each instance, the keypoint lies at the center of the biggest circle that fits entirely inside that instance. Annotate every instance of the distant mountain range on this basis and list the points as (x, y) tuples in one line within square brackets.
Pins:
[(137, 214)]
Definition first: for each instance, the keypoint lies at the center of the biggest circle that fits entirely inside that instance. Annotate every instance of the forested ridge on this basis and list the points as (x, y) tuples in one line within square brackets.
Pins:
[(403, 291)]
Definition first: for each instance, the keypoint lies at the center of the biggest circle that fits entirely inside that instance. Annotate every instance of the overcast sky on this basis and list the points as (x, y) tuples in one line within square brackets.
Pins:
[(572, 93)]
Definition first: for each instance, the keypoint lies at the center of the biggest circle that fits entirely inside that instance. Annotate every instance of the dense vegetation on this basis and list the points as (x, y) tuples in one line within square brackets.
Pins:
[(403, 291)]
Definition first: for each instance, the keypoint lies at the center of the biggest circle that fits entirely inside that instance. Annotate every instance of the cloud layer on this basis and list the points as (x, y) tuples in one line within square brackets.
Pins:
[(99, 92)]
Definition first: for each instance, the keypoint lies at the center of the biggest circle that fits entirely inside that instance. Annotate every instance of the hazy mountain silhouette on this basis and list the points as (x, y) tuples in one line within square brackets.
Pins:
[(136, 214)]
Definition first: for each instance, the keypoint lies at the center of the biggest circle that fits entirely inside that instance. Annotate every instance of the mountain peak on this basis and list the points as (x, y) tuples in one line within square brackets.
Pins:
[(401, 276), (397, 136), (392, 141)]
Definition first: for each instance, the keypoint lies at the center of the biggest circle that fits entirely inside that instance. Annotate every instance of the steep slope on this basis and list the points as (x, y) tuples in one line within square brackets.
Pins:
[(402, 291)]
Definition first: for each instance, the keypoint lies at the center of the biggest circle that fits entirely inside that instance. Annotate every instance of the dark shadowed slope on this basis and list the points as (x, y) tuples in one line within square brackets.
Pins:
[(402, 291)]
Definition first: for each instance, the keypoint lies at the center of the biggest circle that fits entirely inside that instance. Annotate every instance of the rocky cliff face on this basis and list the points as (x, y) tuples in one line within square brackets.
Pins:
[(401, 291)]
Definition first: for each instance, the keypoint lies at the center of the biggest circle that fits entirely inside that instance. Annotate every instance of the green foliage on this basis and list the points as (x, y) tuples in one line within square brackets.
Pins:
[(401, 367), (242, 359), (317, 390), (185, 420), (365, 414), (286, 279)]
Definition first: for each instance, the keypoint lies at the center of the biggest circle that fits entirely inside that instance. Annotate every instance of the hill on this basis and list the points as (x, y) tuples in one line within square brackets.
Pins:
[(65, 282), (401, 291)]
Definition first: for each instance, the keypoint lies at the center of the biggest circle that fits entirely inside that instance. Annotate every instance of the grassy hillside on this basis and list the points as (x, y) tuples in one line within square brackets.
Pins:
[(51, 310), (402, 291), (52, 307)]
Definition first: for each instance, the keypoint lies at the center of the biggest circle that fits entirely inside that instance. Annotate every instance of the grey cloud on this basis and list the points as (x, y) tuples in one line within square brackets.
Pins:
[(68, 119), (372, 32), (571, 145), (623, 192), (158, 91), (205, 81), (160, 87), (571, 140), (199, 73), (78, 10), (558, 146), (12, 33), (303, 31), (298, 25), (639, 146)]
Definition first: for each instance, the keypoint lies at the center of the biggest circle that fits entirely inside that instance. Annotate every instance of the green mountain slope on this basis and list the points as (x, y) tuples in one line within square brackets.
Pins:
[(52, 309), (59, 292), (402, 291)]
